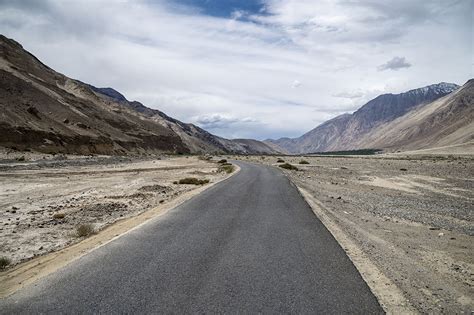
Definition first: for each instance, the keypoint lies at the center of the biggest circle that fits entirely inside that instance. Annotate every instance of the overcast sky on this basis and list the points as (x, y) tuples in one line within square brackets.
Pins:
[(249, 68)]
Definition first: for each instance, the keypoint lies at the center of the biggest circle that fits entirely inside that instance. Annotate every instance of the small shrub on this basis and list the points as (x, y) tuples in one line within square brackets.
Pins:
[(223, 161), (84, 230), (304, 162), (193, 181), (59, 216), (175, 182), (280, 161), (403, 169), (288, 166), (4, 262), (21, 158), (227, 168)]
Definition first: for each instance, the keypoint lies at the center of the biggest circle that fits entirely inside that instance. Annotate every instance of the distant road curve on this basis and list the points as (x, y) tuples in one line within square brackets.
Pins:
[(247, 245)]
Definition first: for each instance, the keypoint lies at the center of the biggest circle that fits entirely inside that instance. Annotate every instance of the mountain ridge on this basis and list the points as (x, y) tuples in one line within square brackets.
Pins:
[(355, 131), (46, 111)]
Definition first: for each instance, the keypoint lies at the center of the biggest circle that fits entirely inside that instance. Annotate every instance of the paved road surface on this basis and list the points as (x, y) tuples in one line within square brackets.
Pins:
[(249, 244)]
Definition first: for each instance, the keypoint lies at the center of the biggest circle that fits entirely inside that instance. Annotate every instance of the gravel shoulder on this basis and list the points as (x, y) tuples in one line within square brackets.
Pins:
[(412, 217)]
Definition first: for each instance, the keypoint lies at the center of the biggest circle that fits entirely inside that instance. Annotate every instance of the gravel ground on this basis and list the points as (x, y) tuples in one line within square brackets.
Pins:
[(43, 199), (412, 216)]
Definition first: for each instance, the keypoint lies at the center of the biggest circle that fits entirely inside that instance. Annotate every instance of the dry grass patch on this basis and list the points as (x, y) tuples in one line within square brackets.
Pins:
[(193, 181)]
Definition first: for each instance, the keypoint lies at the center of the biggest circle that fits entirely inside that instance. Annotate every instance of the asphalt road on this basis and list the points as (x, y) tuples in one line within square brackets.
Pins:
[(250, 244)]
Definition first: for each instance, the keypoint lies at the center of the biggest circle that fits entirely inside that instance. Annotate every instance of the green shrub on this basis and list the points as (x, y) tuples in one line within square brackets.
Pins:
[(304, 162), (4, 262), (288, 166), (280, 161), (84, 230), (193, 181)]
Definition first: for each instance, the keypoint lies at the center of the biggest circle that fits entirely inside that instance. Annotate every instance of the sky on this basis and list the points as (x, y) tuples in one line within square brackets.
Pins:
[(249, 68)]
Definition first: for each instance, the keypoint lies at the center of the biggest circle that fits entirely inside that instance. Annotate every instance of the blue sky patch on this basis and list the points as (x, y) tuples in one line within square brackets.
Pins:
[(225, 8)]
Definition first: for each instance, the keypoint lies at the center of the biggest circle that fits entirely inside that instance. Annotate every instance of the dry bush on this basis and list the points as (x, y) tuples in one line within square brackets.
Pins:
[(84, 230), (4, 262), (59, 216), (193, 181), (227, 168), (288, 166)]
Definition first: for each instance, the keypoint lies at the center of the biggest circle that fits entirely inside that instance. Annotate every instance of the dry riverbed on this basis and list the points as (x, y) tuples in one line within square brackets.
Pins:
[(44, 199), (413, 217)]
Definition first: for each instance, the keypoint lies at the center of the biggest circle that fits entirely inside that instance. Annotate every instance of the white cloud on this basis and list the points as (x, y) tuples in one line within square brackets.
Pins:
[(296, 84), (396, 63), (190, 65)]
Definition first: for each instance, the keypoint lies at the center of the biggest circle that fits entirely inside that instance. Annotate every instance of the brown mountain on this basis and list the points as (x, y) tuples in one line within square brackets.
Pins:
[(46, 111), (436, 115)]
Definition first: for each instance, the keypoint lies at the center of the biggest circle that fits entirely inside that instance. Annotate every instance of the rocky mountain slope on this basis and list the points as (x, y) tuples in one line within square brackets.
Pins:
[(46, 111), (410, 120)]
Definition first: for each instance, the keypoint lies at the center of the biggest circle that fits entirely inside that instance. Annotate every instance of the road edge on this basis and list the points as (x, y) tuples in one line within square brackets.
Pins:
[(387, 293), (28, 272)]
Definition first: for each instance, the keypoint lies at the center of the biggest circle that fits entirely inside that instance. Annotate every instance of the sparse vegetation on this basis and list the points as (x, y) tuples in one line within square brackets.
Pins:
[(193, 181), (288, 166), (227, 168), (4, 262), (59, 216), (84, 230), (303, 162), (351, 152), (205, 157), (280, 161)]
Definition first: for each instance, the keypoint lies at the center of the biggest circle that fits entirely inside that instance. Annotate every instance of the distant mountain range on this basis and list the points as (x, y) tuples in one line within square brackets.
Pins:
[(46, 111), (436, 115)]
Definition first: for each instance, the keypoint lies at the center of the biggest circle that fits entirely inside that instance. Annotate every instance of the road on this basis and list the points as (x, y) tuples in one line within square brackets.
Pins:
[(250, 244)]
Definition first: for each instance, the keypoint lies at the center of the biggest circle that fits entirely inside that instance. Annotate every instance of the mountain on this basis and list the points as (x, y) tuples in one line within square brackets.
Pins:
[(447, 121), (46, 111), (377, 124)]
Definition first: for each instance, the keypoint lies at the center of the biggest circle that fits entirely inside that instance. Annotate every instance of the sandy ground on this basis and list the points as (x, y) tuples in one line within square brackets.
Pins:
[(86, 190), (413, 217)]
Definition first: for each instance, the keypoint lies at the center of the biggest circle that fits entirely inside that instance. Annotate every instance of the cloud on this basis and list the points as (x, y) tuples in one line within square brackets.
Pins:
[(218, 121), (220, 68), (296, 84), (396, 63)]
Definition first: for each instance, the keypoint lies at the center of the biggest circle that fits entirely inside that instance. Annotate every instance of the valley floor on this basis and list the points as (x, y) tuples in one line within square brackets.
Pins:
[(411, 216), (44, 199)]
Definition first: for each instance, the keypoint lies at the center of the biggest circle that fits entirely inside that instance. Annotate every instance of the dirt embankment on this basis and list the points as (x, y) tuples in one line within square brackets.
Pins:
[(411, 216)]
